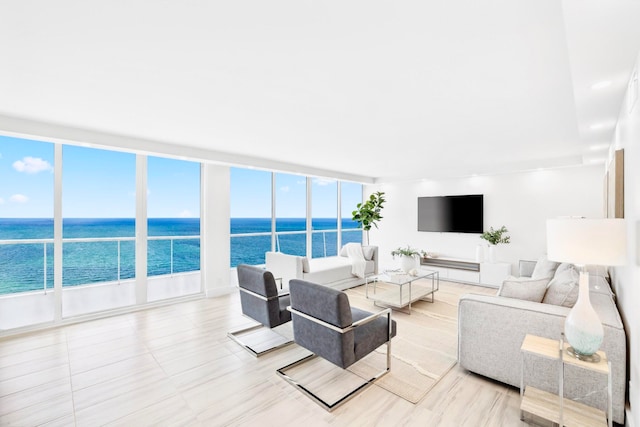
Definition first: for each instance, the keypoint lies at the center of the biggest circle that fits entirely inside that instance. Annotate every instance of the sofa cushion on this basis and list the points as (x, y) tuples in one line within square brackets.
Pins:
[(365, 249), (544, 268), (524, 288), (368, 252), (563, 288), (562, 267)]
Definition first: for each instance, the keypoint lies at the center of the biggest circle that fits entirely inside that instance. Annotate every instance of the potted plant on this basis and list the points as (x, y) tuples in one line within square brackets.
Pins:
[(495, 237), (367, 214), (407, 257)]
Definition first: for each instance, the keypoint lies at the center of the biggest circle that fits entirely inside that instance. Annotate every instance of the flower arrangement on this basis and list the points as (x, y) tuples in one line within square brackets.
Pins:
[(495, 237), (406, 251)]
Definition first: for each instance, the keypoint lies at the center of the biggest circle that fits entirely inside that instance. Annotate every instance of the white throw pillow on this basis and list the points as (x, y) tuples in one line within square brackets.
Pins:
[(562, 267), (524, 288), (368, 251), (563, 288), (544, 268), (344, 253)]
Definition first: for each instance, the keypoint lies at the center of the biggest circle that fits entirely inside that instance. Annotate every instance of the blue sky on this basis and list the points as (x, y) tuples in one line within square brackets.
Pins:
[(101, 184)]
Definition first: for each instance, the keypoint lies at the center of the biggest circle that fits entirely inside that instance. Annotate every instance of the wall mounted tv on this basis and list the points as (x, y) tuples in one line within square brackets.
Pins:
[(451, 214)]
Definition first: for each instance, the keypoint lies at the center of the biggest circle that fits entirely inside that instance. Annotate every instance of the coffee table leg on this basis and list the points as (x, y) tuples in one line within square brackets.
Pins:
[(433, 291)]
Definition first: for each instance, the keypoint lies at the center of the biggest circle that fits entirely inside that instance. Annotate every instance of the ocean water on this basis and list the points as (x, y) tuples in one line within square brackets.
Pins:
[(22, 266)]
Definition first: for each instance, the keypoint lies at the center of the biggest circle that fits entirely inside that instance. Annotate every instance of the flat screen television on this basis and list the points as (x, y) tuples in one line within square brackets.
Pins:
[(451, 214)]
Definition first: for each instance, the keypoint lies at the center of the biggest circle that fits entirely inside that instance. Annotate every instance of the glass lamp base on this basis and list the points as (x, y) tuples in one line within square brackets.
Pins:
[(592, 358)]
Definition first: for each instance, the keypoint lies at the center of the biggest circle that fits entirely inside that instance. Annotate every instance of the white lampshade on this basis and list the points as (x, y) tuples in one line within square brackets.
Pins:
[(586, 241)]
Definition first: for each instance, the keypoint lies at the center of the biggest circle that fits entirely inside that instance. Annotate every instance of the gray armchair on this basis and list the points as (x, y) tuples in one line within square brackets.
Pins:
[(261, 302), (325, 324)]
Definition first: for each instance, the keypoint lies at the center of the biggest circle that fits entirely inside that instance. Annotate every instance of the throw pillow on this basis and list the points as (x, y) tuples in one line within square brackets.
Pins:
[(563, 288), (524, 288), (562, 267), (306, 268), (544, 268), (368, 251), (343, 251)]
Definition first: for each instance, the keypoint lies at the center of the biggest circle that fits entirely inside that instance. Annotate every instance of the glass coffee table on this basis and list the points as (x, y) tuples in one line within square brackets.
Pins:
[(399, 290)]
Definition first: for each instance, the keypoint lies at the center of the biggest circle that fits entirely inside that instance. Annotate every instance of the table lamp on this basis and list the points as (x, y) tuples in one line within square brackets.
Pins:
[(582, 242)]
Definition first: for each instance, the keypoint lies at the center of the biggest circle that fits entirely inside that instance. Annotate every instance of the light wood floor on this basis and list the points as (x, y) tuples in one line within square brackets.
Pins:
[(175, 365)]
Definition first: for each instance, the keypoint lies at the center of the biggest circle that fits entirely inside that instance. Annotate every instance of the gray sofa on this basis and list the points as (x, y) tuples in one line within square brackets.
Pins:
[(491, 330)]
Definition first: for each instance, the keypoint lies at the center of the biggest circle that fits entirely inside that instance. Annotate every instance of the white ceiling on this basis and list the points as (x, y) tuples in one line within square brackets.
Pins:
[(372, 90)]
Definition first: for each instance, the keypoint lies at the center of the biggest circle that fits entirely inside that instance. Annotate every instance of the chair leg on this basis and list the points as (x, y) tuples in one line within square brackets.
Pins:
[(277, 341), (331, 406)]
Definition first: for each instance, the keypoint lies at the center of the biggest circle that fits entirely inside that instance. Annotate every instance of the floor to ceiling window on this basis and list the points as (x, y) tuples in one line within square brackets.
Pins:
[(261, 199), (324, 217), (26, 232), (97, 200), (351, 195), (291, 214), (250, 216), (98, 220), (173, 211)]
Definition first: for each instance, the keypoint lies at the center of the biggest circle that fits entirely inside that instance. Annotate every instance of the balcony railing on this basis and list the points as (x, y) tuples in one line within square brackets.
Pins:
[(118, 255), (252, 250)]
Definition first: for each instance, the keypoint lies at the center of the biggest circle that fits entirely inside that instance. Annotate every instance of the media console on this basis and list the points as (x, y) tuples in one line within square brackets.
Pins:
[(467, 271)]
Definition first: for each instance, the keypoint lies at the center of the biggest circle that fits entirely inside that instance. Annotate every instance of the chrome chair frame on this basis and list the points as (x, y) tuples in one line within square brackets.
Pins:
[(247, 347), (357, 390)]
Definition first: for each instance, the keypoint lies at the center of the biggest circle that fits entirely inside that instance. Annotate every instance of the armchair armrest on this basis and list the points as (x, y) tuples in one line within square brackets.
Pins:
[(354, 325), (262, 297)]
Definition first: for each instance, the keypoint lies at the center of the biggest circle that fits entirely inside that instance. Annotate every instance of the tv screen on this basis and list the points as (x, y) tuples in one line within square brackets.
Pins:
[(451, 214)]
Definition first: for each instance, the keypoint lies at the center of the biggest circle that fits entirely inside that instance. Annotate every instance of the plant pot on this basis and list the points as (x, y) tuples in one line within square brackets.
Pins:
[(492, 253), (407, 263)]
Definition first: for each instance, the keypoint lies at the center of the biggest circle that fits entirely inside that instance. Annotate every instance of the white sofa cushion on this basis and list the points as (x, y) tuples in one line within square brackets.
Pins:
[(524, 288), (563, 288), (544, 268)]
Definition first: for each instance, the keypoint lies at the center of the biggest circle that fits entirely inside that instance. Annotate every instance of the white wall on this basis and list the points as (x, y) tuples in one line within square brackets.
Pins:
[(626, 280), (521, 201)]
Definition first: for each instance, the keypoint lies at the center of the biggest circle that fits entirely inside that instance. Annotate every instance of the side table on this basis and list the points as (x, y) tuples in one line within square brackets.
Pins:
[(555, 407)]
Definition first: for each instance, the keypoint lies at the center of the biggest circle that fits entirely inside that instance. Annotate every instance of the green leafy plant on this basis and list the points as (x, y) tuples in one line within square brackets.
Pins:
[(406, 251), (367, 214), (496, 236)]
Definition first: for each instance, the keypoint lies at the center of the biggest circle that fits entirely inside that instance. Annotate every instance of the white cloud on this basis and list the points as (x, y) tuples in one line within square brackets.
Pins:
[(285, 189), (301, 182), (32, 165), (1, 200), (323, 181), (19, 198), (185, 214)]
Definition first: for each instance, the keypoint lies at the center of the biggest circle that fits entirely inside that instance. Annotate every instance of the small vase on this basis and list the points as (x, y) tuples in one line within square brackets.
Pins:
[(492, 253), (407, 263), (582, 327)]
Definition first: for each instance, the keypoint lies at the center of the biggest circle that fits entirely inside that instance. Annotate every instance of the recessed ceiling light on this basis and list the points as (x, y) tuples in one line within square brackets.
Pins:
[(601, 85), (599, 147), (597, 126)]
